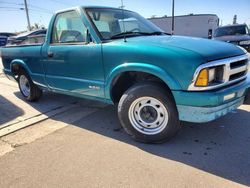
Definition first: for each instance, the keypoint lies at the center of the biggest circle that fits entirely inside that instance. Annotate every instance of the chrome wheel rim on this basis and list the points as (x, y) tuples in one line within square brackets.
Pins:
[(148, 115), (24, 85)]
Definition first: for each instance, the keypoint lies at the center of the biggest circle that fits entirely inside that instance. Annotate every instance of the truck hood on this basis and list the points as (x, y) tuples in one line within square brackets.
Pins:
[(210, 50), (233, 38)]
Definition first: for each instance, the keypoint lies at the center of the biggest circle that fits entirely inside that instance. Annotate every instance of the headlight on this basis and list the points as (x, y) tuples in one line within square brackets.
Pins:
[(247, 42), (210, 76)]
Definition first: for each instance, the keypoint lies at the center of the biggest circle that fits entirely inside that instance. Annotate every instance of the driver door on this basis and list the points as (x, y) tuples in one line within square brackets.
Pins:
[(72, 64)]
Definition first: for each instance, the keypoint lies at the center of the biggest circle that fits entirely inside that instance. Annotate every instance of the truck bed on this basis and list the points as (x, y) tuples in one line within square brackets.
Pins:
[(28, 53)]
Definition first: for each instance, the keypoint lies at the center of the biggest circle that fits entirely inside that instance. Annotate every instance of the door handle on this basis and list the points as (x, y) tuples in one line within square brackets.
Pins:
[(50, 54)]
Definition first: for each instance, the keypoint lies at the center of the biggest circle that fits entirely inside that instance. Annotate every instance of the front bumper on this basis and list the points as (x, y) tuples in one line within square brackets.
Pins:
[(206, 114), (207, 106)]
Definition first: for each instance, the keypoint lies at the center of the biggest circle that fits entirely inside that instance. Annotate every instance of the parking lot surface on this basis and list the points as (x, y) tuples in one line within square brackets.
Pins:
[(67, 142)]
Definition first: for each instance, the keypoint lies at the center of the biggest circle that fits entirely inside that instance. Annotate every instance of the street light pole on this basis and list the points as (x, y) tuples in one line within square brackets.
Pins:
[(27, 14), (173, 17)]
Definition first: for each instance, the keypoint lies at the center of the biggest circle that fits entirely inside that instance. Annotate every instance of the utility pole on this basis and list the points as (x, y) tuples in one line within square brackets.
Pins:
[(122, 5), (235, 19), (172, 18), (27, 14)]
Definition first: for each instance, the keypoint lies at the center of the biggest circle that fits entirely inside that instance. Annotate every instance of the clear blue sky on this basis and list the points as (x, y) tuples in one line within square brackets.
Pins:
[(12, 19)]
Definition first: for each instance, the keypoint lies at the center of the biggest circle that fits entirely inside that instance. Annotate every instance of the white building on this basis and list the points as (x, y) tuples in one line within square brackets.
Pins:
[(196, 25)]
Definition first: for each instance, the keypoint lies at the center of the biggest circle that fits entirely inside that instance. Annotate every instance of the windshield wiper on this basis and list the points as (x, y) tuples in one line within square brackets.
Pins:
[(131, 33), (159, 33)]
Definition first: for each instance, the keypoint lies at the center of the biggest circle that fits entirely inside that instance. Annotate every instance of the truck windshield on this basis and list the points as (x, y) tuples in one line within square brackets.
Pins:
[(233, 30), (116, 23)]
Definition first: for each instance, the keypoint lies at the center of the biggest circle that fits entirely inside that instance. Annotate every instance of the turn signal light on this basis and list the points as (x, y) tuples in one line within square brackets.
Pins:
[(202, 79)]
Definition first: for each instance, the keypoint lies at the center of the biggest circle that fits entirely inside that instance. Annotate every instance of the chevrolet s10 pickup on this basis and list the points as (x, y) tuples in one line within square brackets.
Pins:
[(118, 57)]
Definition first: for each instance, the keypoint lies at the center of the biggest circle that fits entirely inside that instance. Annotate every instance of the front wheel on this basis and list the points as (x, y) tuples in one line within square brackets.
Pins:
[(28, 89), (148, 113)]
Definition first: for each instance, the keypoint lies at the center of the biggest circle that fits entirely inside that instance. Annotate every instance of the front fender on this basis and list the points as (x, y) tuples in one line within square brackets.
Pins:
[(140, 67), (20, 63)]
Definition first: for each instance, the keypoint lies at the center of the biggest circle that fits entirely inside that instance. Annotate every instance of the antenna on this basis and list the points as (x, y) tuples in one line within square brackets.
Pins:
[(123, 23)]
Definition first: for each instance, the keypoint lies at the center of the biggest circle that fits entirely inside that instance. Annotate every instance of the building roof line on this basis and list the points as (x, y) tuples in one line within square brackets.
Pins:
[(184, 16)]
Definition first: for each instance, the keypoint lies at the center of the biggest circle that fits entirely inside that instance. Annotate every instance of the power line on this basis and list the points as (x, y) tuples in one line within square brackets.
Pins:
[(33, 10), (7, 10), (22, 9), (36, 7), (29, 5), (11, 8), (4, 2), (59, 2)]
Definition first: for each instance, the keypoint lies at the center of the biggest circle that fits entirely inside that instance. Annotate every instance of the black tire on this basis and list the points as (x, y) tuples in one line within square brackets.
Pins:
[(156, 92), (35, 93), (247, 97)]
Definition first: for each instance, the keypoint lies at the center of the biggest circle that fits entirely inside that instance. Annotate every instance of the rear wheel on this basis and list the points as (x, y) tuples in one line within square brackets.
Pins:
[(28, 89), (148, 113)]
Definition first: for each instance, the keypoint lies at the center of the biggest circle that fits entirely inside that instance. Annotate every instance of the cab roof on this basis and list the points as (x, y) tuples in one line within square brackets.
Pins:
[(85, 7)]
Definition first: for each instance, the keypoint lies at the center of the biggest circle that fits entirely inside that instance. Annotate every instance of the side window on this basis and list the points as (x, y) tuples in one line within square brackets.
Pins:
[(103, 28), (68, 28)]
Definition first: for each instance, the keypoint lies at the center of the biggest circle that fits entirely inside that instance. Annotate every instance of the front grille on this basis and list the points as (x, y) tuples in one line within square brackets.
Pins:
[(238, 64), (238, 69), (237, 76)]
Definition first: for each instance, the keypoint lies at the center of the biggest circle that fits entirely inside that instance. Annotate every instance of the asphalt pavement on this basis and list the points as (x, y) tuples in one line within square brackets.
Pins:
[(69, 142)]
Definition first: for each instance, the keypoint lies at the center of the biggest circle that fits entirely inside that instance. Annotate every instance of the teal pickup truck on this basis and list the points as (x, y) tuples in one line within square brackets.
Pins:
[(118, 57)]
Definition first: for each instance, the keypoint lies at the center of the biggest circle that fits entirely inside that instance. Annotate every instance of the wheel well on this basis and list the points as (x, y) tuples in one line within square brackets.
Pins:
[(125, 80), (15, 69)]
